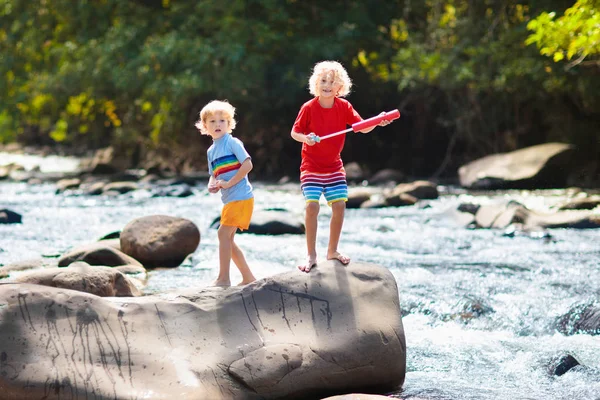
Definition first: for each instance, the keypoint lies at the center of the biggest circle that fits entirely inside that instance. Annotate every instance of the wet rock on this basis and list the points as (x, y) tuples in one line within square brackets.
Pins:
[(356, 197), (469, 208), (584, 203), (562, 364), (580, 319), (67, 184), (93, 188), (504, 214), (421, 190), (543, 166), (469, 309), (9, 217), (400, 200), (111, 235), (160, 240), (99, 253), (517, 229), (120, 187)]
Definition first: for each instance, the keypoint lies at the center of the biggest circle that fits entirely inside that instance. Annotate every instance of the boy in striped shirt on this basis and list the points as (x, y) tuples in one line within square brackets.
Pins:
[(228, 165), (322, 170)]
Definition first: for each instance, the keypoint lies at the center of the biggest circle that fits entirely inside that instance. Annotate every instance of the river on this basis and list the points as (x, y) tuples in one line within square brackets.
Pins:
[(479, 308)]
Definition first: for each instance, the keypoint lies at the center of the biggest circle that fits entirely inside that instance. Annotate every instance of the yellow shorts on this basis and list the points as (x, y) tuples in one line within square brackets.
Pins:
[(238, 213)]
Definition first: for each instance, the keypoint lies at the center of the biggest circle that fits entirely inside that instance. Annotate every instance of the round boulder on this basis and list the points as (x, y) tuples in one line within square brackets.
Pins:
[(160, 240)]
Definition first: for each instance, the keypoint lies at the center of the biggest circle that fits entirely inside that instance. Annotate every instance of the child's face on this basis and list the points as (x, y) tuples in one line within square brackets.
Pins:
[(327, 85), (217, 124)]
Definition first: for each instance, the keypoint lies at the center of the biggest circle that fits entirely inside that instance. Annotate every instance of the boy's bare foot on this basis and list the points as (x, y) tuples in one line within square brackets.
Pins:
[(310, 263), (221, 283), (245, 282), (340, 257)]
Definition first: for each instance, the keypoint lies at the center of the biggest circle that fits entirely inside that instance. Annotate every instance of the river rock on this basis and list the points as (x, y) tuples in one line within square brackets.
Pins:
[(580, 319), (120, 187), (504, 214), (542, 166), (99, 253), (97, 280), (358, 196), (293, 335), (9, 217), (420, 190), (560, 365), (160, 240), (67, 184), (582, 203)]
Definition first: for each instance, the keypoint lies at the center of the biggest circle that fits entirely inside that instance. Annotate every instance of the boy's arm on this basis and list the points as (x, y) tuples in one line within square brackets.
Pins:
[(382, 123), (245, 168)]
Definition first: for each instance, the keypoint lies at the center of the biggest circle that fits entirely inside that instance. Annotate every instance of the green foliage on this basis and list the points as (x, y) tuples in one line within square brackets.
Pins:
[(576, 34), (7, 128), (136, 73)]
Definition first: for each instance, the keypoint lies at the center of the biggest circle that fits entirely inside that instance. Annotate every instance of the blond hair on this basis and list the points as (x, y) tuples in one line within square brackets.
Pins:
[(212, 108), (340, 76)]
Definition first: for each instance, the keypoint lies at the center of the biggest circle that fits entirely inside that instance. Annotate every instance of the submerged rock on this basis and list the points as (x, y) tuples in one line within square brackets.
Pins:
[(561, 365), (580, 319)]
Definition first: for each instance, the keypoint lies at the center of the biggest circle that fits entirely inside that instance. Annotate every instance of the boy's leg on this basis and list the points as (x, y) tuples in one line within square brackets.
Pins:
[(336, 194), (338, 209), (225, 234), (312, 185), (310, 223), (240, 261), (236, 214)]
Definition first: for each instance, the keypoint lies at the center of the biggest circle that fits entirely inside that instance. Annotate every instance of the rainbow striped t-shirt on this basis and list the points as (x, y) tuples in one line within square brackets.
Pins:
[(225, 157)]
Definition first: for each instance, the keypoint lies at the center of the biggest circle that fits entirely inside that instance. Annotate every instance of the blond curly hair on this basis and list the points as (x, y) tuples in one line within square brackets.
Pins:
[(212, 108), (340, 76)]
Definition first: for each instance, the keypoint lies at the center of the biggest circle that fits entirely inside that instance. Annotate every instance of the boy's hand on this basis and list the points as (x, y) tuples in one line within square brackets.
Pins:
[(223, 184), (311, 139), (213, 188), (385, 121)]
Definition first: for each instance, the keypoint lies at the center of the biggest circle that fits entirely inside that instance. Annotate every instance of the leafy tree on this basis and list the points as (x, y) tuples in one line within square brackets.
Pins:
[(574, 37), (467, 64), (134, 74)]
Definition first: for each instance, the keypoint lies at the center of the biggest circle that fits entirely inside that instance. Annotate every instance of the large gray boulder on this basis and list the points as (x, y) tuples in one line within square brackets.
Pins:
[(542, 166), (335, 330), (160, 240)]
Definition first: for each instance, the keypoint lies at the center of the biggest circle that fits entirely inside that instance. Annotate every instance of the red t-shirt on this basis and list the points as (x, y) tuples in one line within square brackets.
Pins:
[(324, 157)]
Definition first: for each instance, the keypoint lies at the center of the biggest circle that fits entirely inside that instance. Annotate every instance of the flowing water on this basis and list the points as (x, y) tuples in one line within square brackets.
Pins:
[(479, 308)]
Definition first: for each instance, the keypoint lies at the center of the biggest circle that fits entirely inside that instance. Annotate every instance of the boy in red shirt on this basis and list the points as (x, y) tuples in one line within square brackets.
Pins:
[(322, 170)]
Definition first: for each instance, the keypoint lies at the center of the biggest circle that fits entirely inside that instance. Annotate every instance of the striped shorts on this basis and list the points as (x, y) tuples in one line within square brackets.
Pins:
[(333, 185)]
